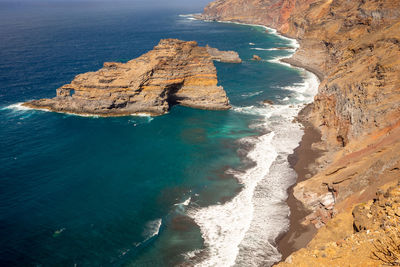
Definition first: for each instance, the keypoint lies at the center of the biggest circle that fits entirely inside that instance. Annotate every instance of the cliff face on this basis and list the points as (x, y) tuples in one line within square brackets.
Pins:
[(274, 13), (354, 47), (175, 72)]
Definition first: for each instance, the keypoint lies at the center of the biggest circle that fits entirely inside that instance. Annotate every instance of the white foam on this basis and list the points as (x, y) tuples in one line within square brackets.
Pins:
[(272, 49), (190, 16), (252, 94), (293, 42), (152, 228), (19, 107), (251, 43), (184, 203), (277, 60), (224, 226), (264, 49)]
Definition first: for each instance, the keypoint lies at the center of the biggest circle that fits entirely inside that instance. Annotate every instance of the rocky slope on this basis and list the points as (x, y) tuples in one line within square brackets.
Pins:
[(174, 72), (367, 234), (354, 47)]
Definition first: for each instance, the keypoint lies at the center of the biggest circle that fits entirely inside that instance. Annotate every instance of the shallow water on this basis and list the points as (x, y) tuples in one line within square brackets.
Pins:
[(192, 185)]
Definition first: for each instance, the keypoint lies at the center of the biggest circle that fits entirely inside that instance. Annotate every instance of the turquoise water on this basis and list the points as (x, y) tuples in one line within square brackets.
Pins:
[(112, 191)]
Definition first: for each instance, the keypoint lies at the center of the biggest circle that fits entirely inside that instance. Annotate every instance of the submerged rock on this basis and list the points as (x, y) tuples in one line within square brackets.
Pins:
[(224, 56), (257, 58), (269, 102), (174, 72)]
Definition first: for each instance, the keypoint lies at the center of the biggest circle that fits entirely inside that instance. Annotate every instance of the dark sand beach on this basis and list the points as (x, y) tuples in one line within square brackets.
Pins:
[(299, 235)]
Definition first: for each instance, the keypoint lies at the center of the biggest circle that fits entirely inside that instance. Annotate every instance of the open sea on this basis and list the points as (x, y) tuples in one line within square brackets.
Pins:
[(205, 188)]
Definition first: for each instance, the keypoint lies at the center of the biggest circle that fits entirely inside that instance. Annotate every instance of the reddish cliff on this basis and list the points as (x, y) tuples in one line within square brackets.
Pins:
[(273, 13)]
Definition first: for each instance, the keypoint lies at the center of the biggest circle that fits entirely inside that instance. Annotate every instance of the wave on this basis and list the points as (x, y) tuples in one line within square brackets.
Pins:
[(18, 107), (252, 94), (184, 203), (190, 16), (271, 49), (224, 226), (264, 49), (152, 229), (293, 42)]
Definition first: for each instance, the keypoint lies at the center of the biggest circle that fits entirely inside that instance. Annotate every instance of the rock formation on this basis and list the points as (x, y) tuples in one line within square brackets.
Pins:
[(175, 72), (354, 48), (223, 56)]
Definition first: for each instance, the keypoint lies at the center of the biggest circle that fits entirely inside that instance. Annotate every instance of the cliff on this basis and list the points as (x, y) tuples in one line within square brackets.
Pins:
[(174, 72), (272, 13), (354, 47)]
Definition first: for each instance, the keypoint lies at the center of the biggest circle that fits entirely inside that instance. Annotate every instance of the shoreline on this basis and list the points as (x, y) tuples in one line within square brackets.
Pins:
[(298, 64), (298, 235)]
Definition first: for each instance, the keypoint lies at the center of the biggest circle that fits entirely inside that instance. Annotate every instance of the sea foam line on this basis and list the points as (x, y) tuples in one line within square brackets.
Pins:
[(243, 230), (152, 229), (19, 107), (270, 49)]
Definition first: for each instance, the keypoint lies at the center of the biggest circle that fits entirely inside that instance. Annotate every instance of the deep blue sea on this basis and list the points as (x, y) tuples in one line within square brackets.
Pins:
[(192, 186)]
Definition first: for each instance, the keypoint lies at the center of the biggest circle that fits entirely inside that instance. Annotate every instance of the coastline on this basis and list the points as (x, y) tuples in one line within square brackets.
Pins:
[(299, 235), (296, 63)]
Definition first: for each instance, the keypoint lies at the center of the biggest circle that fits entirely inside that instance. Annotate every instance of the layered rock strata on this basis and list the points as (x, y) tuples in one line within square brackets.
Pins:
[(354, 48), (174, 72)]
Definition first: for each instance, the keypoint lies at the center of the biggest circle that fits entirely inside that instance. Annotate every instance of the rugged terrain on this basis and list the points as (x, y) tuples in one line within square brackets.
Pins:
[(174, 72), (369, 235), (354, 47)]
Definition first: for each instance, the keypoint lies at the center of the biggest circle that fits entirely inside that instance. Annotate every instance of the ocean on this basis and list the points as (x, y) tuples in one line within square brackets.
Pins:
[(206, 188)]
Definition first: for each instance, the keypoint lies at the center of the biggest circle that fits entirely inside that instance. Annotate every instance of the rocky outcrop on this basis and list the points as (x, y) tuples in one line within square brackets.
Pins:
[(174, 72), (223, 56)]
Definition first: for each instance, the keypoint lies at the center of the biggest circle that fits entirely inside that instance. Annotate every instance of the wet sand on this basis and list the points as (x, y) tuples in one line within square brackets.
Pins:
[(299, 235)]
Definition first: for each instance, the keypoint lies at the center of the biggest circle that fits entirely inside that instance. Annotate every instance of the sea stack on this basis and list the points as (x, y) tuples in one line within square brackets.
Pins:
[(175, 72)]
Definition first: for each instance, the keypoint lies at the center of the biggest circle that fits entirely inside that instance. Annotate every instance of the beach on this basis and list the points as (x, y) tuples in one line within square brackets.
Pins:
[(298, 235)]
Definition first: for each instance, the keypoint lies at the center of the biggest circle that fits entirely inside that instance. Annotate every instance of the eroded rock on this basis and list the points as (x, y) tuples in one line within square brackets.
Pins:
[(174, 72)]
